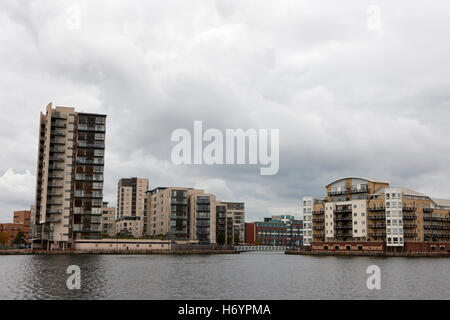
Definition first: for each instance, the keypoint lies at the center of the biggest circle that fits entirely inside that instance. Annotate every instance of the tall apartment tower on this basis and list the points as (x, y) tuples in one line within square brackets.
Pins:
[(69, 179), (130, 204)]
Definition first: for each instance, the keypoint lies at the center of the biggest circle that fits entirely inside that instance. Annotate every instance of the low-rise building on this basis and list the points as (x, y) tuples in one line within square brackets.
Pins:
[(123, 245), (283, 230), (129, 226), (21, 223)]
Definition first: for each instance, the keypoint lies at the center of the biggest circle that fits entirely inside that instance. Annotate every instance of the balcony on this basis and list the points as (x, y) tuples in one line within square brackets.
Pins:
[(409, 217), (363, 189), (56, 203), (55, 176), (175, 216), (377, 234), (85, 144), (84, 194), (55, 185), (85, 127), (317, 212), (56, 141), (178, 201), (410, 226), (377, 226), (409, 209), (428, 210), (318, 220), (54, 158), (54, 194), (54, 211), (57, 150), (375, 209), (57, 133), (58, 116), (338, 192), (59, 124), (82, 160), (410, 234), (318, 227), (343, 210), (82, 211), (86, 228), (56, 168), (377, 217), (83, 177), (345, 219)]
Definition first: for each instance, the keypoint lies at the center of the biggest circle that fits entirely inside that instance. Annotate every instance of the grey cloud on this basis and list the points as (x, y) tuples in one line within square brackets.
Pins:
[(347, 100)]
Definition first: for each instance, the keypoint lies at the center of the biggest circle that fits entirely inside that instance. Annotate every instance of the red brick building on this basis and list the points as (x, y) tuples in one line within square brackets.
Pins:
[(21, 222), (275, 231)]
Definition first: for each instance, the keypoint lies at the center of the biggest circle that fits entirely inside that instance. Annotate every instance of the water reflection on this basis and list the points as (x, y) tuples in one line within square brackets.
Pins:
[(245, 276)]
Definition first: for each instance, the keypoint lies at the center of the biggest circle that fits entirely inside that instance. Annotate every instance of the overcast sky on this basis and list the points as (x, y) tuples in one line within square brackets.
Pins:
[(351, 94)]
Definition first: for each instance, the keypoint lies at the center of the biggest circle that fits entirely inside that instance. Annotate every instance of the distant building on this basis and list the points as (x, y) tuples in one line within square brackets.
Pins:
[(108, 220), (130, 204), (221, 221), (21, 223), (129, 225), (188, 214), (282, 230), (235, 222)]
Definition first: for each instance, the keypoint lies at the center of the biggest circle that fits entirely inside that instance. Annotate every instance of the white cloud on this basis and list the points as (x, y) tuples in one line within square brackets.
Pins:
[(16, 192), (348, 101)]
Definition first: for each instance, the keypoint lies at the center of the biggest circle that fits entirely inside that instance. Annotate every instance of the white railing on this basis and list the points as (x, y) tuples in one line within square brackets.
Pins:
[(260, 248)]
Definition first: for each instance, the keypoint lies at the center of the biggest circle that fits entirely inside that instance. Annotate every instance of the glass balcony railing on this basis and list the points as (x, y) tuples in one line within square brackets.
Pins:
[(85, 144), (85, 127)]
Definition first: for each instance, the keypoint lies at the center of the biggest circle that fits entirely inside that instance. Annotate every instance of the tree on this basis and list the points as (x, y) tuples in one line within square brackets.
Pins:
[(256, 242), (221, 238), (4, 238), (20, 238)]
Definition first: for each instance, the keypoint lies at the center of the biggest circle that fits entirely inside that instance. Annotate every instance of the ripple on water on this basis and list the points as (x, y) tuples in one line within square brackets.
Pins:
[(244, 276)]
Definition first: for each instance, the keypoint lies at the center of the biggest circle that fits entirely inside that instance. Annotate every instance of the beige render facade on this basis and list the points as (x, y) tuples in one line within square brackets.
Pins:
[(202, 217), (108, 225), (187, 214), (69, 179), (131, 193), (365, 210), (235, 222)]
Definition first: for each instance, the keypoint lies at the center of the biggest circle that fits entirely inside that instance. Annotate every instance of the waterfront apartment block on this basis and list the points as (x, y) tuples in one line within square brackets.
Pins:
[(108, 220), (130, 205), (188, 214), (69, 179), (279, 230), (21, 223), (365, 210), (235, 222), (202, 217)]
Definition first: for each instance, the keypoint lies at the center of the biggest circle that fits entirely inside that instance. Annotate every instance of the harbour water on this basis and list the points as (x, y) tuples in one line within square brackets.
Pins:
[(253, 275)]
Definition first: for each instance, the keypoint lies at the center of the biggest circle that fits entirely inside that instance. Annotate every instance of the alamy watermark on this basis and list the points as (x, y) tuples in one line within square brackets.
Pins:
[(234, 149), (373, 21), (74, 280), (374, 280)]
